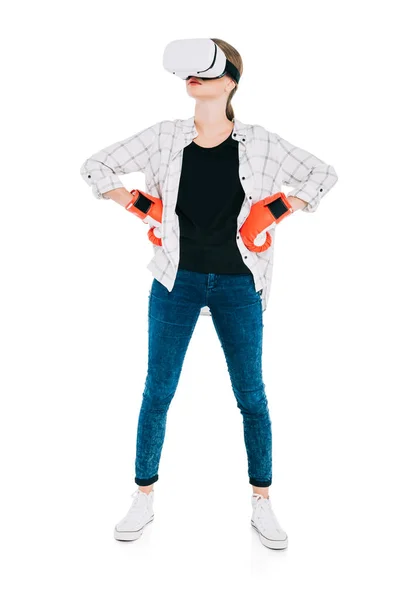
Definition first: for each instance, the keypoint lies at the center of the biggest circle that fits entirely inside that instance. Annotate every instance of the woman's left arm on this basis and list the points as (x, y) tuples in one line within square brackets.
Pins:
[(311, 177), (296, 203)]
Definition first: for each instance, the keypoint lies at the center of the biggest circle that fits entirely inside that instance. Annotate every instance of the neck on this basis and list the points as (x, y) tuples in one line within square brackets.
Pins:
[(209, 122)]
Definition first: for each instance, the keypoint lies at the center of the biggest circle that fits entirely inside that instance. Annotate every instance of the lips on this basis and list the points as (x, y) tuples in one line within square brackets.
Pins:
[(194, 81)]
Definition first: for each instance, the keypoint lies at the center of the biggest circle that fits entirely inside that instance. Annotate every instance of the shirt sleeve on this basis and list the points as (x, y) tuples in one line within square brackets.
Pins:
[(311, 177), (101, 170)]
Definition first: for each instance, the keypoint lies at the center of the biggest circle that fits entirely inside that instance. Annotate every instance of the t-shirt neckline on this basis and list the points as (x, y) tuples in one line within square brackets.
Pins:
[(225, 141)]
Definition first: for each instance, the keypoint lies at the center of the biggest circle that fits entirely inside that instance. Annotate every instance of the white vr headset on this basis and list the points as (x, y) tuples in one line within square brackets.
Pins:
[(200, 58)]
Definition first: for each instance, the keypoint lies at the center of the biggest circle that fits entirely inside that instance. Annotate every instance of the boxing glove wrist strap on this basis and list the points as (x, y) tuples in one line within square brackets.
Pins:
[(140, 204)]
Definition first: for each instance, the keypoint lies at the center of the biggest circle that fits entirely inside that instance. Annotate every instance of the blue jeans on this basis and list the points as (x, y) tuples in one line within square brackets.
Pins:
[(236, 311)]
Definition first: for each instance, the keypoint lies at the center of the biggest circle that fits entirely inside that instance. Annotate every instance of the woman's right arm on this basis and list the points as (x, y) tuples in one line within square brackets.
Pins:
[(101, 170), (119, 195)]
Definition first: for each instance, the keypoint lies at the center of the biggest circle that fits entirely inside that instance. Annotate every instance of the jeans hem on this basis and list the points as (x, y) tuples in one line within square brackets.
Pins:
[(259, 483), (147, 481)]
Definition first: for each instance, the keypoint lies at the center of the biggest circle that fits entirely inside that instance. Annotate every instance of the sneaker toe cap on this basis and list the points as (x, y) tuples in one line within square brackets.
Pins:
[(130, 525)]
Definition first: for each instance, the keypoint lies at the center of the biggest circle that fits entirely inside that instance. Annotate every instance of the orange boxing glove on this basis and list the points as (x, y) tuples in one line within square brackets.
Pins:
[(263, 214), (149, 210)]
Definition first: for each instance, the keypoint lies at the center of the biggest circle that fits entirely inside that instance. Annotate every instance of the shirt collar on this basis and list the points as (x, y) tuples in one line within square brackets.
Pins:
[(239, 132)]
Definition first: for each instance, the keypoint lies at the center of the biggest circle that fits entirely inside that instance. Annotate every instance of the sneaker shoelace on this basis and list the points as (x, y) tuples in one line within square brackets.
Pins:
[(135, 504), (265, 505)]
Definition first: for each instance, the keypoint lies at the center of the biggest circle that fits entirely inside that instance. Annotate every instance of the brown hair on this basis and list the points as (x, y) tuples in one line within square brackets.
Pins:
[(233, 55)]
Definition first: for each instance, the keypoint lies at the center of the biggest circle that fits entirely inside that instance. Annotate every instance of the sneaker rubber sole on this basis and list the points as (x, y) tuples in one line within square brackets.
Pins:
[(273, 544), (130, 536)]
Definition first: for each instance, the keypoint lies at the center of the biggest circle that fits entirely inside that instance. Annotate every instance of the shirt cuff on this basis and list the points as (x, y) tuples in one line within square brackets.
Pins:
[(310, 194)]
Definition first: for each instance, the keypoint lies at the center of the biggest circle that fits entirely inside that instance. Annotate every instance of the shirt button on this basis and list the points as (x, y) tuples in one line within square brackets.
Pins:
[(243, 177), (243, 139), (320, 190), (89, 176), (234, 134)]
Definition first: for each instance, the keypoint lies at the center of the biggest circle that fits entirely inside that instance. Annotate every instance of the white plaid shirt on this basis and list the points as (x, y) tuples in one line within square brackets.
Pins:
[(266, 162)]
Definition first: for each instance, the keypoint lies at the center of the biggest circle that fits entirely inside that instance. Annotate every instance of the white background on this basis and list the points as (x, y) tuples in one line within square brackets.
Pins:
[(74, 299)]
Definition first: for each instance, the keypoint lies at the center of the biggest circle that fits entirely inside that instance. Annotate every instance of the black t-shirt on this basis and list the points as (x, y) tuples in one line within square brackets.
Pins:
[(209, 200)]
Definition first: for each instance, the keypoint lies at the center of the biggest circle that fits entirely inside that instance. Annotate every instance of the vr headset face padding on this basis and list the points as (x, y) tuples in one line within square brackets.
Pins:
[(198, 57)]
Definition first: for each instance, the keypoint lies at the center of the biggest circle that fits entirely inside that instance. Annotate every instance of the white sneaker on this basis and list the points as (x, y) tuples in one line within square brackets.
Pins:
[(266, 524), (139, 515)]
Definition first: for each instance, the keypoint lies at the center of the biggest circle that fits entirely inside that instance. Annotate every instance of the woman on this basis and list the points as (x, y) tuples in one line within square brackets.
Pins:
[(209, 170)]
